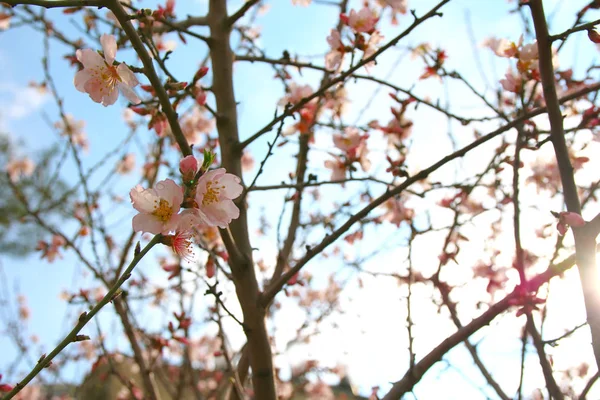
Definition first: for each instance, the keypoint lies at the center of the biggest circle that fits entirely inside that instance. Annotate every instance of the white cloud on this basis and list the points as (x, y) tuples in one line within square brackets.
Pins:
[(17, 102)]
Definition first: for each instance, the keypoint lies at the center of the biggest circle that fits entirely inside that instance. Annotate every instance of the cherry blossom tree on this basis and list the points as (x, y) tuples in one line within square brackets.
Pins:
[(368, 196)]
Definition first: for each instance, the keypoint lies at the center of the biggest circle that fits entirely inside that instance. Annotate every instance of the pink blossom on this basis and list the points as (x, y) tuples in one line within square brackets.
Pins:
[(304, 3), (74, 129), (195, 124), (335, 40), (362, 21), (361, 153), (158, 207), (503, 47), (22, 167), (214, 194), (4, 21), (337, 100), (567, 219), (338, 169), (371, 48), (200, 95), (396, 212), (512, 82), (334, 58), (349, 140), (397, 6), (181, 244), (529, 52), (101, 79), (247, 161), (296, 93), (127, 164), (51, 251)]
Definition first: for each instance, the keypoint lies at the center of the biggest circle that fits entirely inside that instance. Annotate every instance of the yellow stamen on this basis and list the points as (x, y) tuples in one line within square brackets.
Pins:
[(163, 210), (212, 193)]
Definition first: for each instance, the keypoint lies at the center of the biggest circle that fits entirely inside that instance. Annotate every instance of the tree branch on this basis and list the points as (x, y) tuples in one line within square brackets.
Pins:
[(418, 21), (585, 242), (84, 318), (163, 97), (58, 3), (411, 378)]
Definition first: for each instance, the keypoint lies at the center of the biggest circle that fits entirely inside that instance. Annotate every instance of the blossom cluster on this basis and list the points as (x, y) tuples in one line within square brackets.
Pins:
[(354, 146), (365, 37), (205, 199), (527, 62)]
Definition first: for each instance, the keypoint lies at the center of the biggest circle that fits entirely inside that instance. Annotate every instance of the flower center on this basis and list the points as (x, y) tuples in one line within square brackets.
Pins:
[(163, 210), (108, 75), (212, 193)]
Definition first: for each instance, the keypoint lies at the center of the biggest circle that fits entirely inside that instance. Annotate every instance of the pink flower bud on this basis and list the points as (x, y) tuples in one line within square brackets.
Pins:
[(561, 228), (201, 73), (572, 219), (188, 167), (594, 35)]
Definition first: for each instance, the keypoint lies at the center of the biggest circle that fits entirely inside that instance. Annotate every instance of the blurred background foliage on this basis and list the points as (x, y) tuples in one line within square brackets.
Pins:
[(47, 194)]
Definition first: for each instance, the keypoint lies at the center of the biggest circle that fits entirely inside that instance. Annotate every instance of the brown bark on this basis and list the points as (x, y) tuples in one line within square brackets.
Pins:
[(236, 238), (585, 239)]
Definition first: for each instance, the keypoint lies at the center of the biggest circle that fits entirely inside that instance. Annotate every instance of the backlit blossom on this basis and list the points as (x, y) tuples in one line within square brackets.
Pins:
[(158, 207), (333, 59), (512, 82), (214, 194), (371, 47), (19, 168), (101, 79), (396, 212), (296, 93), (503, 47), (338, 169), (307, 113), (567, 219), (397, 6), (349, 140), (362, 21)]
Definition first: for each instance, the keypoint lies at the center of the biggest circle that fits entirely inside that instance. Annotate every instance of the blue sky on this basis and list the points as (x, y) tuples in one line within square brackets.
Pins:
[(301, 31)]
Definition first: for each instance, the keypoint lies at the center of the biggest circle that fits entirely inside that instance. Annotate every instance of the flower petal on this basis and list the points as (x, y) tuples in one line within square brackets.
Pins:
[(89, 58), (147, 223), (110, 98), (143, 200), (127, 76), (170, 191), (129, 93), (232, 186), (81, 79), (109, 46)]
